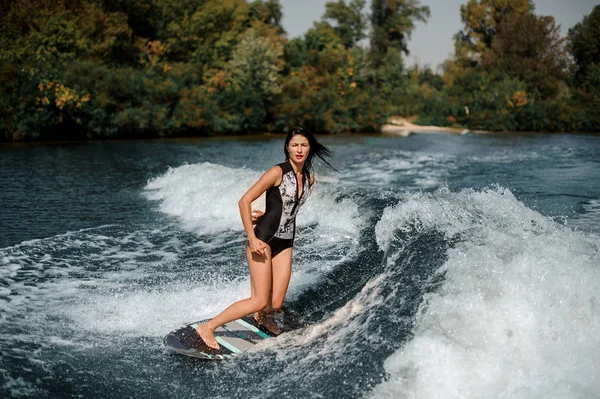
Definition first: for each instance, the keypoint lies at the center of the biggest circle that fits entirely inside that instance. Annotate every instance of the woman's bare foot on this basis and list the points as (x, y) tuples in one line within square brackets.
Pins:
[(262, 318), (207, 335)]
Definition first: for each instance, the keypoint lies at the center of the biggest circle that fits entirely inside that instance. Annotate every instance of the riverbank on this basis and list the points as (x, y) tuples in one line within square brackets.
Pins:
[(402, 126)]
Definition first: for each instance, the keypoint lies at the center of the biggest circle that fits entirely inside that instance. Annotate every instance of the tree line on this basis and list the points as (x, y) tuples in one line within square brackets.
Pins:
[(81, 69)]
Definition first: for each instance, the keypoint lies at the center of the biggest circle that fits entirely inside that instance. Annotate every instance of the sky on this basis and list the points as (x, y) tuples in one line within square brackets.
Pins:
[(431, 42)]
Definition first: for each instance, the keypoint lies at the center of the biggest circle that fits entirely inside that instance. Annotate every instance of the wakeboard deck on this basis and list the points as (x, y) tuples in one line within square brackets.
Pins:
[(233, 338)]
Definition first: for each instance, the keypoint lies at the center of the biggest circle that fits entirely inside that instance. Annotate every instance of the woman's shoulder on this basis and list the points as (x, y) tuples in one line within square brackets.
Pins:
[(285, 167), (275, 170), (274, 175)]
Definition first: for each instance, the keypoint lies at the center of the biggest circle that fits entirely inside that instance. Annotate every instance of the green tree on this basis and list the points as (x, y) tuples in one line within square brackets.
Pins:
[(295, 54), (41, 42), (585, 47), (320, 37), (392, 22), (331, 96), (252, 78), (207, 33), (348, 20), (481, 19), (255, 65), (529, 48), (268, 12)]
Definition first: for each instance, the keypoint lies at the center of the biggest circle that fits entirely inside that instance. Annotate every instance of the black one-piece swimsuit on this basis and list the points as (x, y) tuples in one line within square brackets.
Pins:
[(277, 227)]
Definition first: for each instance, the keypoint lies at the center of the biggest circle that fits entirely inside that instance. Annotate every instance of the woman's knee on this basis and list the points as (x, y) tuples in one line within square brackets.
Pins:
[(259, 303)]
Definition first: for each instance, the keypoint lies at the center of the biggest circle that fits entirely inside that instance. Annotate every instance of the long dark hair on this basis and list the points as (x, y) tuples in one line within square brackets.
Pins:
[(316, 149)]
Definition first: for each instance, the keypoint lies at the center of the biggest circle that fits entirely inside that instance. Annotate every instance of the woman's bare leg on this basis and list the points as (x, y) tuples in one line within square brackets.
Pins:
[(260, 280), (282, 272)]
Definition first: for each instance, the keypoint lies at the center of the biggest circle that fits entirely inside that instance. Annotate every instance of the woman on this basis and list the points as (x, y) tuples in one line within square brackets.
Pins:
[(269, 251)]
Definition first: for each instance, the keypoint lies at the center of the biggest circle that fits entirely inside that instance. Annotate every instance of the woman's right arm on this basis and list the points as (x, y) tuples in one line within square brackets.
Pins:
[(269, 179)]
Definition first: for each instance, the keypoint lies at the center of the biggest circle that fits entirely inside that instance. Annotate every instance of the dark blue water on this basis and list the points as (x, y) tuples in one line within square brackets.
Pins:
[(429, 266)]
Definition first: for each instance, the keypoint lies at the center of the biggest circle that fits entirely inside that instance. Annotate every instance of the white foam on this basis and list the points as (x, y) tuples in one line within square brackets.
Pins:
[(203, 196), (416, 171), (332, 335), (59, 272), (336, 219), (518, 314), (152, 313), (507, 156)]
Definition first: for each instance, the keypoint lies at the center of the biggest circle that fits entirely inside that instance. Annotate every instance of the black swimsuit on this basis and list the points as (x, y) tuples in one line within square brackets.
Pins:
[(277, 227)]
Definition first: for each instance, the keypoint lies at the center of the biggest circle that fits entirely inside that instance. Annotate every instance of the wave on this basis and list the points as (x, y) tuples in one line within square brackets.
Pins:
[(202, 196), (517, 313), (464, 294)]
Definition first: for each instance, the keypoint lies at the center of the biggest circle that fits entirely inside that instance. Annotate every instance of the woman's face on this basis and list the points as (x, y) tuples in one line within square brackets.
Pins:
[(298, 148)]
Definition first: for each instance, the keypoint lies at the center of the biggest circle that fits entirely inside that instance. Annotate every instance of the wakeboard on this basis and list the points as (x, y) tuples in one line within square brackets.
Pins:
[(233, 338)]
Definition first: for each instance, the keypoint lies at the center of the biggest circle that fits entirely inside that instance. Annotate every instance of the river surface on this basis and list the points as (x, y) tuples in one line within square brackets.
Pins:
[(432, 266)]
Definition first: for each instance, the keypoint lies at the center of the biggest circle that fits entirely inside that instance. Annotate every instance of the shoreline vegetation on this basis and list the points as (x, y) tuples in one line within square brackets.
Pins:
[(139, 69)]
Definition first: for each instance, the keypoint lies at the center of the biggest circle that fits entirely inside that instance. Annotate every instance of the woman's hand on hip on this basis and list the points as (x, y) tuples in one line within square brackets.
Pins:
[(257, 246)]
